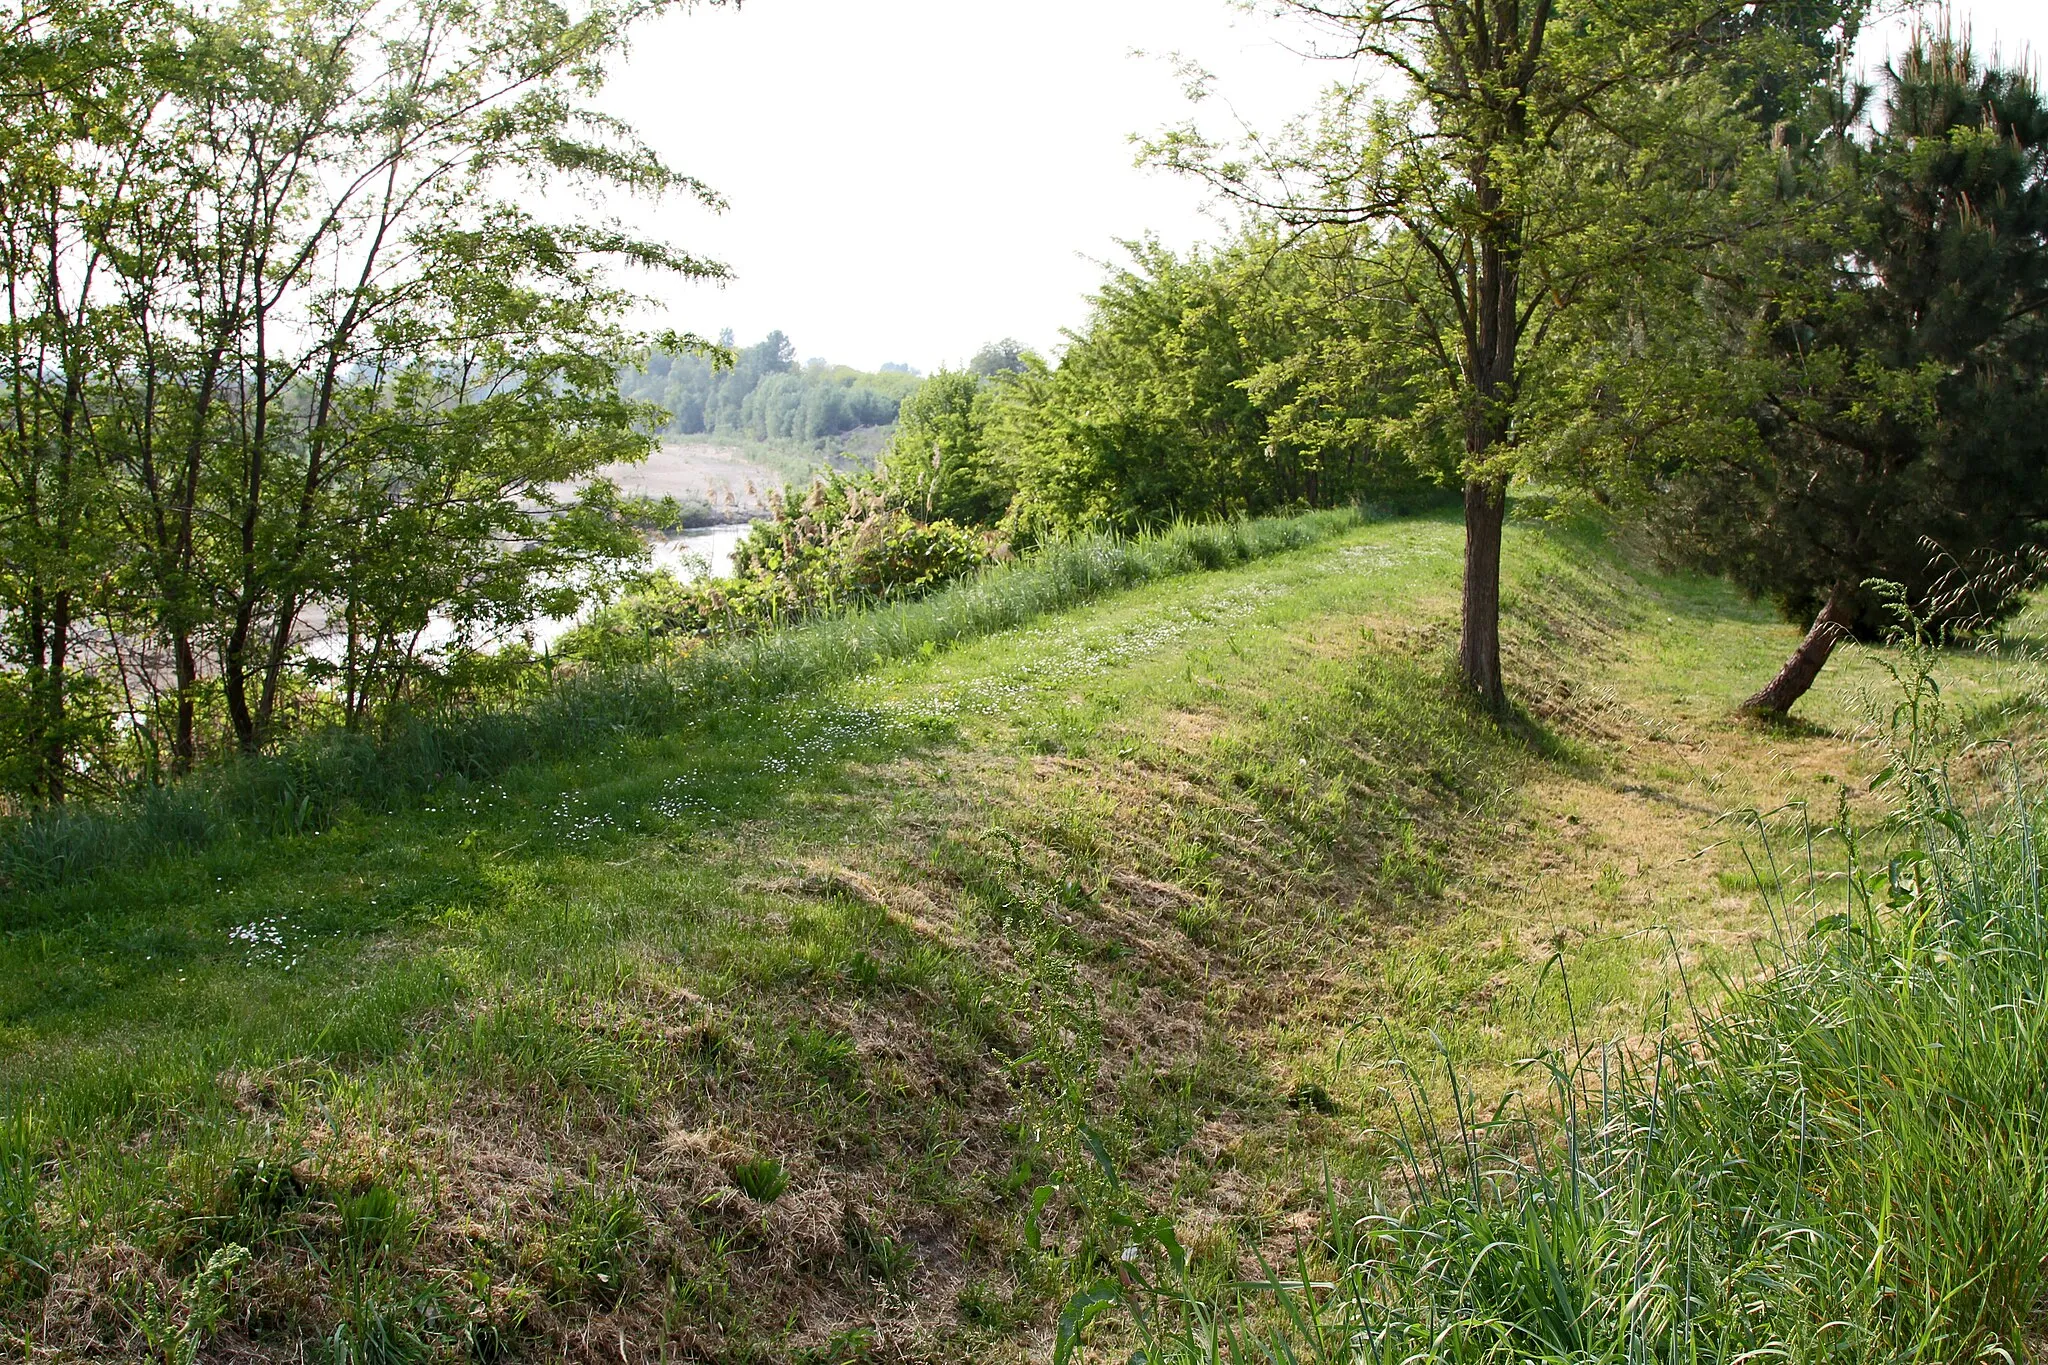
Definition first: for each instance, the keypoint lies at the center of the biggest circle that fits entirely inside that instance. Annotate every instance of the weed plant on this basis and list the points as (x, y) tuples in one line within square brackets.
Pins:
[(375, 1224), (760, 1179), (1847, 1161), (303, 788), (24, 1251), (175, 1327), (596, 1249)]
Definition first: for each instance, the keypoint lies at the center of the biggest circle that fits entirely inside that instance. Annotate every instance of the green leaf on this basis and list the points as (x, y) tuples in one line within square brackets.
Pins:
[(1083, 1308), (1033, 1230)]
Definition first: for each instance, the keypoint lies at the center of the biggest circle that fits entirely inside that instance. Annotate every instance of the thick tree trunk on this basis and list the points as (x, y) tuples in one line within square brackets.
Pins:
[(1796, 677), (1486, 502), (1492, 326)]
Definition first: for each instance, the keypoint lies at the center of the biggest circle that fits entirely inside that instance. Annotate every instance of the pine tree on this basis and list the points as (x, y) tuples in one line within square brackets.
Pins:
[(1904, 423)]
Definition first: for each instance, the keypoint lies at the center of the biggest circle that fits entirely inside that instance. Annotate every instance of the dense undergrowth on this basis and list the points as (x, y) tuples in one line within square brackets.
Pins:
[(836, 543), (1847, 1160), (304, 787)]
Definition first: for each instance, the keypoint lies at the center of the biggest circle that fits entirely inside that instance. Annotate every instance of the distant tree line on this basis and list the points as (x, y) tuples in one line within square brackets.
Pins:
[(763, 394)]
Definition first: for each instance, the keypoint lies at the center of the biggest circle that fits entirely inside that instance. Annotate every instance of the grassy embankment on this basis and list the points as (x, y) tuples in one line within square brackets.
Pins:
[(1841, 1158), (747, 1034)]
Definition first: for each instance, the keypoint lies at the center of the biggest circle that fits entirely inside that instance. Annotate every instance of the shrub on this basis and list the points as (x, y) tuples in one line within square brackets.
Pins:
[(844, 542)]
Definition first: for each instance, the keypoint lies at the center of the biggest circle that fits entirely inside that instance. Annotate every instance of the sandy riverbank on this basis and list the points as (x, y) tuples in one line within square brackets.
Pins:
[(708, 473)]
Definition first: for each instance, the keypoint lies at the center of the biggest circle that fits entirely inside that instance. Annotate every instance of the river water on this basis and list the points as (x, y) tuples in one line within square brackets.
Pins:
[(692, 555), (713, 545)]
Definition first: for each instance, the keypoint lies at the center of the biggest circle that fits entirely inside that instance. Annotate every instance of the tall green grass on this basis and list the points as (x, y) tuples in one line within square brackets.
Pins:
[(307, 784), (1847, 1161)]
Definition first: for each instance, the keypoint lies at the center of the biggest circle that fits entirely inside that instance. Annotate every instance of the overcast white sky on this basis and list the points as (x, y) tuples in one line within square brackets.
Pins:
[(912, 178)]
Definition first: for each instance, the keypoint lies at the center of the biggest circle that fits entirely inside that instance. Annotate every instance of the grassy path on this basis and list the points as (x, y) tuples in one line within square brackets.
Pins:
[(750, 1041)]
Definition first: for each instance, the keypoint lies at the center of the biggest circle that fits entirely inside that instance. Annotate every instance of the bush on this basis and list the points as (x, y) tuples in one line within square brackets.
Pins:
[(893, 556), (843, 542), (941, 461), (1241, 381)]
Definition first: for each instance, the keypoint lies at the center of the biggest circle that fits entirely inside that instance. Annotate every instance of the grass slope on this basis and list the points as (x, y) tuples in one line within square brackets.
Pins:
[(751, 1039)]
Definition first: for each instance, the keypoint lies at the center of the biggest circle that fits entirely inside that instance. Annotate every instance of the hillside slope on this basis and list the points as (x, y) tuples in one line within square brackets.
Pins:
[(752, 1041)]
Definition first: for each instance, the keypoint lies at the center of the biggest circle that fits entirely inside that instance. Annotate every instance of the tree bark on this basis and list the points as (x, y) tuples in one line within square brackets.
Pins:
[(1796, 677), (1486, 502), (235, 671), (184, 745), (1492, 325)]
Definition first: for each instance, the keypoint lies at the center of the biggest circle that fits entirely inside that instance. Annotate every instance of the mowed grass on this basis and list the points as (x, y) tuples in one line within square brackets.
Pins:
[(1840, 1159), (730, 1041)]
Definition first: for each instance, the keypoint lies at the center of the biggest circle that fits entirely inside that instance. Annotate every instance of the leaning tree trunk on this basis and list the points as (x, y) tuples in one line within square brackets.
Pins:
[(1797, 676), (1486, 503)]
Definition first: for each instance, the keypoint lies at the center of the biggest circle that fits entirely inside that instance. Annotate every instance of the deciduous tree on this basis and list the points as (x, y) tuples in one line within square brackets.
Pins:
[(293, 343), (1500, 156)]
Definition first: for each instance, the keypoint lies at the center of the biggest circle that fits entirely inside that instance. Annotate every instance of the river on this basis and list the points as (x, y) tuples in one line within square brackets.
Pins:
[(705, 553)]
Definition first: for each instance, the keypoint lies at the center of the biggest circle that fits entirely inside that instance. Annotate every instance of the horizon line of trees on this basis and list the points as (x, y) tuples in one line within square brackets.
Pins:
[(761, 392)]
